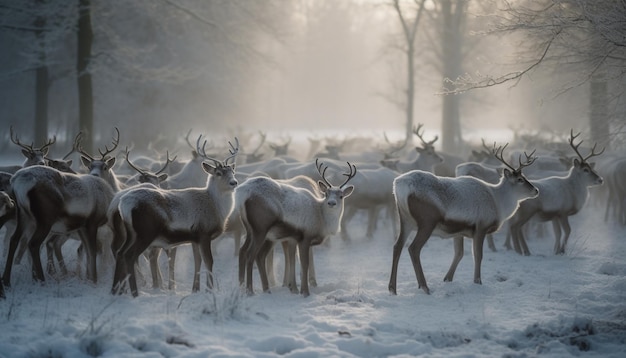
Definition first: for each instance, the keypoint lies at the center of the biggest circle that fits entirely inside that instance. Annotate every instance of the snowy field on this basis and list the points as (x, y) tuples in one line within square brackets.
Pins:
[(541, 305)]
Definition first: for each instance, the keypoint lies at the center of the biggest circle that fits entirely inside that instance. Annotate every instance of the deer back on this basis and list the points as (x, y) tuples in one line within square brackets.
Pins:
[(75, 195)]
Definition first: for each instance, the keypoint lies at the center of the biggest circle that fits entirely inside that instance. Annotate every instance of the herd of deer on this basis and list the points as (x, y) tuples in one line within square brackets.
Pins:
[(286, 200)]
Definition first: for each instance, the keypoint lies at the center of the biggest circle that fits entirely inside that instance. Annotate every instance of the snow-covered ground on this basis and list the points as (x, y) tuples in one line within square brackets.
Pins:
[(541, 305)]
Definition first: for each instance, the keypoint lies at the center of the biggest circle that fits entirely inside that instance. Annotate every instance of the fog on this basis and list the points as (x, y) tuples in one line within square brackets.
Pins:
[(160, 69)]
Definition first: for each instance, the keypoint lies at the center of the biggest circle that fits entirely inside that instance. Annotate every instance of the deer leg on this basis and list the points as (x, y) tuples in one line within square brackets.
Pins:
[(556, 225), (477, 252), (50, 266), (19, 235), (197, 263), (492, 245), (242, 259), (458, 255), (405, 230), (289, 279), (304, 248), (89, 238), (568, 230), (312, 278), (269, 265), (153, 258), (207, 255), (171, 268), (261, 258), (507, 242), (58, 252), (34, 247)]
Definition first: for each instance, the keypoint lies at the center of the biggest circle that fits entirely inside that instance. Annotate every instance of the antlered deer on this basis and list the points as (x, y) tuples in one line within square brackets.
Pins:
[(271, 210), (559, 197), (167, 218), (455, 207)]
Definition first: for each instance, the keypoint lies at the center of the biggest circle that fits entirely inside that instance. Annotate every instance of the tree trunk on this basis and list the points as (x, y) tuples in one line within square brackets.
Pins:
[(85, 87), (598, 109), (453, 16), (410, 92), (42, 84)]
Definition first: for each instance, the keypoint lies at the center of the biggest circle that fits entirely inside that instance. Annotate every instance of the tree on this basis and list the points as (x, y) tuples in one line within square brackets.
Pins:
[(586, 37), (34, 25), (409, 26), (83, 75)]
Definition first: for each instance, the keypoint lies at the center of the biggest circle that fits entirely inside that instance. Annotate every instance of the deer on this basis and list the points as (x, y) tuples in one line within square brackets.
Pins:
[(63, 165), (172, 217), (455, 207), (559, 198), (145, 179), (102, 167), (51, 201), (34, 156), (273, 211), (426, 160)]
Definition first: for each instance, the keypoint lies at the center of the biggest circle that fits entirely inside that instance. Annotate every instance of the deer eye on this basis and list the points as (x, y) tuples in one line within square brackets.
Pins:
[(520, 180)]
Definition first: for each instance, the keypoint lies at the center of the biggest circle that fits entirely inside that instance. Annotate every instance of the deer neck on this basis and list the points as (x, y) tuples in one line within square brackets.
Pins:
[(222, 200), (505, 199)]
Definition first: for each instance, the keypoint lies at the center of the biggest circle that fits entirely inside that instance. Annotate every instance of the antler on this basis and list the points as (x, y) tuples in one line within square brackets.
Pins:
[(116, 142), (529, 158), (141, 171), (167, 162), (188, 141), (416, 131), (17, 141), (575, 147), (48, 143), (322, 171), (233, 151), (350, 175), (75, 146), (30, 147)]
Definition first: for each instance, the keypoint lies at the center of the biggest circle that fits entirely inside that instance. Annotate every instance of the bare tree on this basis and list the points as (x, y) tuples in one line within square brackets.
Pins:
[(586, 37), (409, 18)]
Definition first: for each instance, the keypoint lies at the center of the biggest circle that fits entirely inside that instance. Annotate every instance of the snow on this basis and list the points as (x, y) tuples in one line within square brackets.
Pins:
[(538, 305)]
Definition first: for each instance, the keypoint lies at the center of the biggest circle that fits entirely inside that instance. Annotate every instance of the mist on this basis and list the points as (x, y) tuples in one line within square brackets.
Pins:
[(160, 69)]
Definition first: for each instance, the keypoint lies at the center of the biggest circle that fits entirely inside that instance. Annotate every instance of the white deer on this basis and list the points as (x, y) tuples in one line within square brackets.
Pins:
[(559, 198), (272, 211), (454, 207), (168, 218)]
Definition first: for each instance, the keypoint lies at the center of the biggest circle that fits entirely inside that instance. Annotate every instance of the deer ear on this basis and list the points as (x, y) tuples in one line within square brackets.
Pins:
[(419, 149), (45, 151), (507, 173), (162, 177), (26, 153), (347, 191), (576, 162), (110, 162), (69, 163), (323, 187), (208, 168), (86, 162)]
